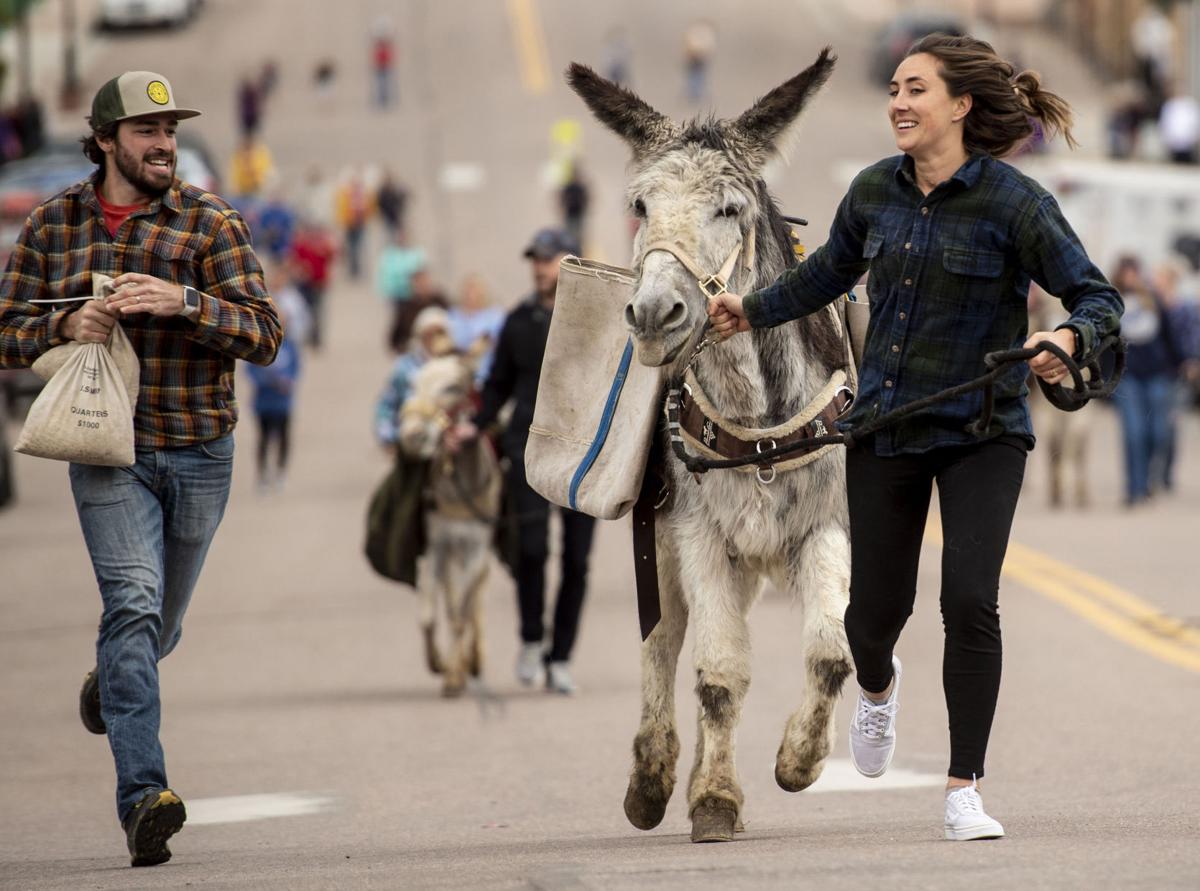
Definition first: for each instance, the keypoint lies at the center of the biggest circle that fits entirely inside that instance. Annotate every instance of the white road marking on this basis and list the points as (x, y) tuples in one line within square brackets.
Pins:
[(840, 776), (462, 176), (243, 808)]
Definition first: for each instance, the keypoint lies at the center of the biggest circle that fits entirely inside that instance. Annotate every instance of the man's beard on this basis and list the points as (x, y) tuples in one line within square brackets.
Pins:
[(131, 168)]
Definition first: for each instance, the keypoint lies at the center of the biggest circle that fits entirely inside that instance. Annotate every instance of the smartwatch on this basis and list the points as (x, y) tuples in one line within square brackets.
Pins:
[(191, 303)]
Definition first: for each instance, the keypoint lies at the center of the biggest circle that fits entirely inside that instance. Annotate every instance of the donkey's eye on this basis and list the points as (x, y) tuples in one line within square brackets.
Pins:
[(729, 210), (639, 208)]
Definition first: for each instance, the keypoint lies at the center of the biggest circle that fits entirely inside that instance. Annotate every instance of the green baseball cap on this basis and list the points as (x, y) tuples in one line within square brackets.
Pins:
[(133, 94)]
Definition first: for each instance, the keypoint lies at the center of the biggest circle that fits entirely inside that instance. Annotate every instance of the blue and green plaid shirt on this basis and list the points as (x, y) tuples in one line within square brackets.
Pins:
[(948, 279)]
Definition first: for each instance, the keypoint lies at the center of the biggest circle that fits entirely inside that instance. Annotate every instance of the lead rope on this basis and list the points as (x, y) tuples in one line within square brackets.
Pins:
[(998, 362)]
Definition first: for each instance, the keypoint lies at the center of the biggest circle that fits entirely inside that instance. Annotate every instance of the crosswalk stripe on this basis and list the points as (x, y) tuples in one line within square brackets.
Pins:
[(243, 808)]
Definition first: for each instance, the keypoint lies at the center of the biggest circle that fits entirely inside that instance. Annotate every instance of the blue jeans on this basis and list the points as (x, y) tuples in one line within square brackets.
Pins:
[(147, 529), (1145, 406)]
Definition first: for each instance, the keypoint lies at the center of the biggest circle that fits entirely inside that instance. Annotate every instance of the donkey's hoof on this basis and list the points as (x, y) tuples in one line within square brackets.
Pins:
[(796, 779), (714, 820), (645, 811), (433, 659), (454, 687)]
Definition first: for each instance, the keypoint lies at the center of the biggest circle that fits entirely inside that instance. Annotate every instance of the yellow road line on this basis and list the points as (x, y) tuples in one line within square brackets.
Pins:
[(1145, 614), (1113, 610), (1120, 627), (530, 42)]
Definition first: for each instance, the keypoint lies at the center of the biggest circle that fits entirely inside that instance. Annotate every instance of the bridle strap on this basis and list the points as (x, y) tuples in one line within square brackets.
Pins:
[(712, 285)]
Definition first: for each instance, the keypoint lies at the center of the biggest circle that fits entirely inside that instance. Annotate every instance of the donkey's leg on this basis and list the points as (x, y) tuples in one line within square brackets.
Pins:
[(822, 581), (723, 593), (427, 588), (475, 573), (456, 586), (656, 746)]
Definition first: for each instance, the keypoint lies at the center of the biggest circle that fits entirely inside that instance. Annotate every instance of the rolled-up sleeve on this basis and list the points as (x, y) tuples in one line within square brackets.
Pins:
[(831, 271), (1052, 254)]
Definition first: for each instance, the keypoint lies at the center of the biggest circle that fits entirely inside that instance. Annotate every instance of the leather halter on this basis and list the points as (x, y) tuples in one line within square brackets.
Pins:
[(717, 283), (710, 434)]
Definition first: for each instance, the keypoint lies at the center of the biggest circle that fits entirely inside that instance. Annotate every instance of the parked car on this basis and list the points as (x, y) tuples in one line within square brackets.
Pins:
[(893, 39), (146, 13)]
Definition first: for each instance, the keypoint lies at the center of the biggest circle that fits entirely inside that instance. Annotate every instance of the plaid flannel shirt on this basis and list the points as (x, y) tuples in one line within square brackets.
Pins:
[(187, 237), (948, 279)]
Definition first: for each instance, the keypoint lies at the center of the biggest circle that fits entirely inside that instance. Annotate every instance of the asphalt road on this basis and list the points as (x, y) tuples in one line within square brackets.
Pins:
[(300, 726)]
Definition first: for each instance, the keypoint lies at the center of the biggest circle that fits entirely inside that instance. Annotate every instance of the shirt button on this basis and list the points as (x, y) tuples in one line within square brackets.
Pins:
[(924, 211), (895, 348), (908, 281), (908, 245), (887, 384), (903, 316)]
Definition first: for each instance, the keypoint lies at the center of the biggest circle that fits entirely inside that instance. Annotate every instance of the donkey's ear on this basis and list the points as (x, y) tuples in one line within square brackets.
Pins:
[(774, 113), (621, 110)]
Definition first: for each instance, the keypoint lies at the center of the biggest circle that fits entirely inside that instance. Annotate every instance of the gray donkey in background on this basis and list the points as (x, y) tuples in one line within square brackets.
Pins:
[(699, 187)]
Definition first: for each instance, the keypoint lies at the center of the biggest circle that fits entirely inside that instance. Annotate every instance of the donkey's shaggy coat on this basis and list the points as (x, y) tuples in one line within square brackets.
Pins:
[(699, 186)]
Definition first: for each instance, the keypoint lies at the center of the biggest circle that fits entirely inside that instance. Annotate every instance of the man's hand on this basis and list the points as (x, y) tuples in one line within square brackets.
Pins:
[(1045, 364), (91, 323), (136, 293), (728, 317)]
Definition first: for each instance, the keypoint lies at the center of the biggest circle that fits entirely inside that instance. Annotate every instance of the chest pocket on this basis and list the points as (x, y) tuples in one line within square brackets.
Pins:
[(883, 266), (975, 283), (873, 245), (973, 262), (164, 259)]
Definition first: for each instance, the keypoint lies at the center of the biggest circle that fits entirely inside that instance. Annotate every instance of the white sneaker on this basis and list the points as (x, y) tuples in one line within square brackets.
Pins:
[(530, 664), (873, 730), (965, 818), (558, 679)]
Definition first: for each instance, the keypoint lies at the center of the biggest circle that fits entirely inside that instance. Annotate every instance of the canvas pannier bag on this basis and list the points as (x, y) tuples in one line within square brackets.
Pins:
[(84, 413), (858, 315), (597, 406)]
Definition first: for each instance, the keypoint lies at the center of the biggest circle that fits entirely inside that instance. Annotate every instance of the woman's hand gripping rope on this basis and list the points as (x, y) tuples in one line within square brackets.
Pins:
[(1045, 364)]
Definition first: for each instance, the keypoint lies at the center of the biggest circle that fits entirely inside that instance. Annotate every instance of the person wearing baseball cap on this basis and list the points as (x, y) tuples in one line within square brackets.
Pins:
[(189, 293), (516, 367)]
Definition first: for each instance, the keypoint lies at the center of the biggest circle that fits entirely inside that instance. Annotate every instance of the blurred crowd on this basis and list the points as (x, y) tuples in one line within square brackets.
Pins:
[(1161, 328), (1154, 115)]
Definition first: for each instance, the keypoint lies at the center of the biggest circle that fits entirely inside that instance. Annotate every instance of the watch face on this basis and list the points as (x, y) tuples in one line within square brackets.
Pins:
[(191, 298)]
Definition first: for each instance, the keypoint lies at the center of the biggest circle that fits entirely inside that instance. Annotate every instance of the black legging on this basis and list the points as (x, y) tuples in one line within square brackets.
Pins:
[(533, 535), (978, 487), (272, 428)]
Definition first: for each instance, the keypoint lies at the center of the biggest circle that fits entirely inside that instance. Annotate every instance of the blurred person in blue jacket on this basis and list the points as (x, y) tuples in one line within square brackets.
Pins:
[(430, 337), (274, 397), (1146, 397), (1182, 308), (475, 324)]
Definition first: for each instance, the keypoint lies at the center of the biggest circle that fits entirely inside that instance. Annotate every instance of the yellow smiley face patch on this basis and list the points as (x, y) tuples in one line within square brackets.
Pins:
[(157, 91)]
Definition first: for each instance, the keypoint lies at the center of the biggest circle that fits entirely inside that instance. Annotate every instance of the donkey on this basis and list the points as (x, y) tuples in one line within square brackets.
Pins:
[(699, 196), (463, 496)]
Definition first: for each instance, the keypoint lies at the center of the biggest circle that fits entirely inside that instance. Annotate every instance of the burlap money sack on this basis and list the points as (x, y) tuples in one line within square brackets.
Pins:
[(597, 406), (84, 413), (119, 347)]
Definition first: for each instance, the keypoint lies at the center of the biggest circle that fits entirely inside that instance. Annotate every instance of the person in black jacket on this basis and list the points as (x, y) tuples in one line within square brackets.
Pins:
[(515, 371)]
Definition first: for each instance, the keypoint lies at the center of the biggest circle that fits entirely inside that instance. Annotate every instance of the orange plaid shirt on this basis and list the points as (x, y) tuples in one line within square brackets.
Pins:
[(187, 237)]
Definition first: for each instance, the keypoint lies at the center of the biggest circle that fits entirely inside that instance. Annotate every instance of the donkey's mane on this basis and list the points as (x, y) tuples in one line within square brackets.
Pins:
[(821, 338)]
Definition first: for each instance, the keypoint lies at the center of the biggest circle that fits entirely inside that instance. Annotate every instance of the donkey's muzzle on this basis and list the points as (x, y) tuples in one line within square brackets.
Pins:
[(654, 319)]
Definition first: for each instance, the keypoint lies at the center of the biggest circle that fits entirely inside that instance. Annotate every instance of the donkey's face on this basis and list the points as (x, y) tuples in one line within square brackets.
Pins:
[(695, 187), (695, 199), (440, 391)]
